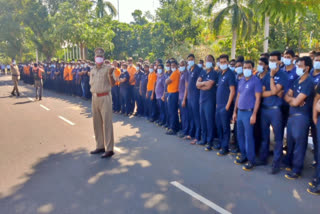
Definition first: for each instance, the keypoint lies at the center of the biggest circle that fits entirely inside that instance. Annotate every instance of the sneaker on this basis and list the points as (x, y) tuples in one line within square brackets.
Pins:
[(275, 170), (248, 167), (241, 161), (234, 151), (292, 176), (314, 190), (216, 147), (208, 148), (314, 182), (181, 135), (201, 143), (223, 152), (170, 132)]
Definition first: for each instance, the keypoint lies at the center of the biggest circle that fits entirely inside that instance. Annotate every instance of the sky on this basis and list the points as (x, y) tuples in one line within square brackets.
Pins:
[(128, 6)]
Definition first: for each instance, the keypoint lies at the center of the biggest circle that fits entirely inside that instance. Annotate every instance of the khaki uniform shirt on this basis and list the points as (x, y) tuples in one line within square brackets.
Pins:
[(99, 79), (15, 70)]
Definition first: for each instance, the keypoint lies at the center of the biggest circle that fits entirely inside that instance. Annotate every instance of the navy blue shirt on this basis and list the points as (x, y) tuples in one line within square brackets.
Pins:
[(247, 90), (143, 84), (279, 78), (225, 81), (193, 91), (211, 93), (291, 76), (315, 78), (307, 88), (137, 77), (124, 85)]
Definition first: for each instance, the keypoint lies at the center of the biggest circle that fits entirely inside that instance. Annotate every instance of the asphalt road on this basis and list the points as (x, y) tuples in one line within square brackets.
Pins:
[(45, 167)]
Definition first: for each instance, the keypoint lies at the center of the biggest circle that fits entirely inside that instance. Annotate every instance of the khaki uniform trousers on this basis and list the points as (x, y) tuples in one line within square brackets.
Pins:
[(102, 122), (15, 80)]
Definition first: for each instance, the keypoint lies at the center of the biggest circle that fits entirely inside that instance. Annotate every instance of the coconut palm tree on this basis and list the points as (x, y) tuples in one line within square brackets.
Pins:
[(240, 16), (276, 10), (105, 8)]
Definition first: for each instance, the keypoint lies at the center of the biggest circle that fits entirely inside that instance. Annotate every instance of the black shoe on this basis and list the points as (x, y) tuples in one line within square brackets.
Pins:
[(314, 190), (18, 94), (40, 98), (261, 163), (13, 94), (170, 132), (223, 152), (314, 182), (216, 147), (248, 167), (181, 135), (97, 151), (208, 148), (275, 170), (234, 151), (107, 154), (292, 176), (240, 161)]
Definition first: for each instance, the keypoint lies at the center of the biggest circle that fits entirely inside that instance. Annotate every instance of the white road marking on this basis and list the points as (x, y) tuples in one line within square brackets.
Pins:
[(42, 106), (30, 99), (67, 121), (200, 198)]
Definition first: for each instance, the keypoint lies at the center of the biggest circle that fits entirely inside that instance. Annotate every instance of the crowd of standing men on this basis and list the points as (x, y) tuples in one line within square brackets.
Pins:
[(197, 101)]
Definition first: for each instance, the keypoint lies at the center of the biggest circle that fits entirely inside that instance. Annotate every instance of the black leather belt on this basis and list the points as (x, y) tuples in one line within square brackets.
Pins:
[(295, 115), (250, 109), (271, 107)]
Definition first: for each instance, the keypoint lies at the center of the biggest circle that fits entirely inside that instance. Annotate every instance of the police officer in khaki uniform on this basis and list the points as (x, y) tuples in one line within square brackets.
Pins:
[(15, 78), (101, 82)]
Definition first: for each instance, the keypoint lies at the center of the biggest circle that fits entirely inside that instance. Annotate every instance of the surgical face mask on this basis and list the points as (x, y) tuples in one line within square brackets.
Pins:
[(190, 64), (167, 68), (151, 70), (159, 71), (99, 60), (247, 72), (317, 65), (282, 59), (231, 68), (182, 69), (223, 66), (260, 68), (208, 65), (200, 65), (138, 69), (124, 70), (239, 70), (272, 65), (286, 61), (299, 72), (173, 69)]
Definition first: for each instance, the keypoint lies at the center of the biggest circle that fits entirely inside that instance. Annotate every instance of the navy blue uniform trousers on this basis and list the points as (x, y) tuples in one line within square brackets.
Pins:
[(184, 118), (245, 135), (207, 114), (173, 102), (194, 118), (297, 140), (274, 118), (223, 118)]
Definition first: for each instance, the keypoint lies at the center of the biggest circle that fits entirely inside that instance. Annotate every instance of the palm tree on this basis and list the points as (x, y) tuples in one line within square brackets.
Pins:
[(240, 15), (103, 6), (276, 10)]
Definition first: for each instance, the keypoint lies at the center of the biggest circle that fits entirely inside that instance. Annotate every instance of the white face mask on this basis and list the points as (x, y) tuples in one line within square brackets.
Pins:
[(247, 72), (151, 70), (272, 65), (182, 69), (173, 69), (138, 69), (99, 60), (208, 65)]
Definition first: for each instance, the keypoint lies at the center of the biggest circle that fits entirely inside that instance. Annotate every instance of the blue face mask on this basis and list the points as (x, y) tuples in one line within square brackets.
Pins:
[(167, 68), (299, 72), (159, 71), (200, 65), (208, 65), (182, 69), (151, 70), (223, 67), (239, 70), (232, 68), (190, 64), (286, 62), (260, 68), (317, 65), (247, 72), (272, 65)]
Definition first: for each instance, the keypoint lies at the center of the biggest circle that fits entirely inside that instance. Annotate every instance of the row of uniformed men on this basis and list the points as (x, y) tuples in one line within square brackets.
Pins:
[(198, 101), (70, 78)]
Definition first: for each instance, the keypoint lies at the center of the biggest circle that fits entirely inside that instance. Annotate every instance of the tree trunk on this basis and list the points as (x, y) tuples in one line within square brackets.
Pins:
[(266, 34), (234, 44)]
